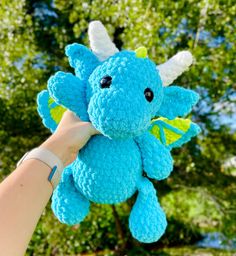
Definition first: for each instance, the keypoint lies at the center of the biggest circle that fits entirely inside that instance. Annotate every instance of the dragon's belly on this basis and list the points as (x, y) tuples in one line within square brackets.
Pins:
[(107, 171)]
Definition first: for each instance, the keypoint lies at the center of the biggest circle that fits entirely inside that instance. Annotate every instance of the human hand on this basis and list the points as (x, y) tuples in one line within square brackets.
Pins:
[(70, 136)]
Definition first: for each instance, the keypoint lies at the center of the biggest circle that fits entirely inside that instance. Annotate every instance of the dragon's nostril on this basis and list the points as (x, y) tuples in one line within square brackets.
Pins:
[(148, 94), (106, 82)]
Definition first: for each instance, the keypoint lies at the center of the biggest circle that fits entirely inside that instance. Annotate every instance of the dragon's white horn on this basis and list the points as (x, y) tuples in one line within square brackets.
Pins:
[(174, 67), (100, 42)]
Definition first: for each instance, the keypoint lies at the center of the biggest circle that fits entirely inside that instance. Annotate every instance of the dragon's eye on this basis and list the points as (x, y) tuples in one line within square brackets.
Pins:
[(148, 94), (105, 82)]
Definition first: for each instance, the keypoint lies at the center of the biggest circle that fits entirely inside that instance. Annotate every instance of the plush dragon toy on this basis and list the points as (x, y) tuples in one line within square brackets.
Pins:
[(125, 96)]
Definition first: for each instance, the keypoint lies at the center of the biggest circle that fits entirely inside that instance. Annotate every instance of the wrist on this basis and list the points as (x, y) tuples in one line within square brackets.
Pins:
[(47, 157), (55, 144)]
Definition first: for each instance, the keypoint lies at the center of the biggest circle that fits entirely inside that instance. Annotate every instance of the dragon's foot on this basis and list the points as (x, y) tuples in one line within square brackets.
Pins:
[(147, 220), (68, 204)]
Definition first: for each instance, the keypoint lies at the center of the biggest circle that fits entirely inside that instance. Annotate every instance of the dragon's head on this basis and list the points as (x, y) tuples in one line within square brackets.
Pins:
[(123, 94), (123, 90)]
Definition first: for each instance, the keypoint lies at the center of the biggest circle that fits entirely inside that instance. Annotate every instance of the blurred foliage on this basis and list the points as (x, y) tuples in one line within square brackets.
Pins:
[(200, 194)]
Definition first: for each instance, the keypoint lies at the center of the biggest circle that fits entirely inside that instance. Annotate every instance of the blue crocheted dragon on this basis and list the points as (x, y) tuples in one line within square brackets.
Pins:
[(127, 98)]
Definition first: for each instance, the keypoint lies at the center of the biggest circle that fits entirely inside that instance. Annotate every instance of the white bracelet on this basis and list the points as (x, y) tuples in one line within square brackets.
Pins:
[(50, 159)]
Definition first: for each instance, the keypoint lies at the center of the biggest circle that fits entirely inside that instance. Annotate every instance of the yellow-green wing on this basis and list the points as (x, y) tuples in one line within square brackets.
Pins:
[(173, 133), (50, 112)]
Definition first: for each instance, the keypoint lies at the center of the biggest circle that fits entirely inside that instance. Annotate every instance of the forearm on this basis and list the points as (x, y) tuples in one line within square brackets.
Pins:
[(26, 191), (23, 196)]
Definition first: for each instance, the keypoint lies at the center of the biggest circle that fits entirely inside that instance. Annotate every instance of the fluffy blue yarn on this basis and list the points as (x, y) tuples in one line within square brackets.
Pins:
[(171, 107), (44, 111), (109, 169), (122, 111), (115, 179)]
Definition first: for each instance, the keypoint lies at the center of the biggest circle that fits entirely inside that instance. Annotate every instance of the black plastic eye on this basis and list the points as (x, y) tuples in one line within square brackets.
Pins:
[(148, 94), (106, 82)]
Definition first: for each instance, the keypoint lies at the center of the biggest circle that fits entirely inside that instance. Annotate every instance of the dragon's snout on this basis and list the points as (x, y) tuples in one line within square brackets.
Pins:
[(119, 114)]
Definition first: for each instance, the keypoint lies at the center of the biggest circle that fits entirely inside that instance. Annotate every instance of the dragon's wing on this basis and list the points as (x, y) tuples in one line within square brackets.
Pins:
[(173, 133), (50, 112)]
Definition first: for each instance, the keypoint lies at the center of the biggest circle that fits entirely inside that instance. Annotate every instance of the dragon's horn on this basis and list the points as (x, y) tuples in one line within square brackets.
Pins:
[(174, 67), (100, 42)]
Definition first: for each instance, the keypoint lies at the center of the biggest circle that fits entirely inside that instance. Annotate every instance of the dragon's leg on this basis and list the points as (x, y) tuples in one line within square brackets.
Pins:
[(68, 204), (147, 221)]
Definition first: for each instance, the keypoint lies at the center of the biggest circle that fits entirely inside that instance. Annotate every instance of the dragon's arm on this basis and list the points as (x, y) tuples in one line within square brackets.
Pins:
[(157, 160), (68, 90)]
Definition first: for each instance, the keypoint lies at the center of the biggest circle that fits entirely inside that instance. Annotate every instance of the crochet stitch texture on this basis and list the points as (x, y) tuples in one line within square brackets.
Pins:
[(121, 96)]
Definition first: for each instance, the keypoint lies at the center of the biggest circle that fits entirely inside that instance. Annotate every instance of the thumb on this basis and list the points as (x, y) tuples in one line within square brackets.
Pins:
[(68, 118)]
